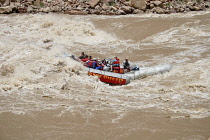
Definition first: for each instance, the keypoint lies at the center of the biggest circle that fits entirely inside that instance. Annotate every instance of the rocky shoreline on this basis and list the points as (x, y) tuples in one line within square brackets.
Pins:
[(102, 7)]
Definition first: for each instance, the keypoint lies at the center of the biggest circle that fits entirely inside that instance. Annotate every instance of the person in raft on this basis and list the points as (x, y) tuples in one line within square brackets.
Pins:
[(89, 62), (115, 63), (82, 56), (99, 66), (127, 64)]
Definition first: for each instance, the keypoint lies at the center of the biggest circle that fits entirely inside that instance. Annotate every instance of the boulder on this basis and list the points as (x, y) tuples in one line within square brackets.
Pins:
[(80, 8), (107, 13), (93, 3), (5, 2), (137, 11), (30, 9), (114, 8), (75, 12), (158, 10), (192, 8), (158, 3), (98, 8), (2, 1), (170, 11), (22, 9), (105, 7), (197, 8), (126, 9), (207, 4), (191, 3), (46, 10), (151, 5), (52, 9), (138, 4), (105, 1), (37, 2), (94, 11), (120, 12), (6, 10)]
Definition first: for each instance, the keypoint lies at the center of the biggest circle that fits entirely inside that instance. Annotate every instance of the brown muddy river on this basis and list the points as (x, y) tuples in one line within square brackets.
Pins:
[(46, 95)]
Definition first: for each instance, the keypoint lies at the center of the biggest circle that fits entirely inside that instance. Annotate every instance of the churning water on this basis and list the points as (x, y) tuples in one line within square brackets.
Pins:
[(46, 95)]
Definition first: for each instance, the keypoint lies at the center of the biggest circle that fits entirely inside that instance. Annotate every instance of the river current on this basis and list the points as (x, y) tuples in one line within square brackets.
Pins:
[(46, 95)]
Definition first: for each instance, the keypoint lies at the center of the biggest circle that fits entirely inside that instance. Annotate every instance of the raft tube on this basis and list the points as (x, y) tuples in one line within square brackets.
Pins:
[(109, 77), (148, 71), (123, 79)]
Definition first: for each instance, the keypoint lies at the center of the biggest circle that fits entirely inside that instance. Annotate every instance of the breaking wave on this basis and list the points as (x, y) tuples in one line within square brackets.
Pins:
[(37, 73)]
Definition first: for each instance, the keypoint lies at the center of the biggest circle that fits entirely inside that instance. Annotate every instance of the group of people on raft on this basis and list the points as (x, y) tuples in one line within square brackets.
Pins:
[(112, 65)]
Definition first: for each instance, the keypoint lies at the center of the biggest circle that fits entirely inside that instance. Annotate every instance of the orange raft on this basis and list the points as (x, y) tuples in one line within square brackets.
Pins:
[(109, 77)]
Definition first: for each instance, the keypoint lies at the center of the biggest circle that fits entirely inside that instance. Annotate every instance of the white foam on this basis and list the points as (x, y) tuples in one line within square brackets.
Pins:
[(41, 75)]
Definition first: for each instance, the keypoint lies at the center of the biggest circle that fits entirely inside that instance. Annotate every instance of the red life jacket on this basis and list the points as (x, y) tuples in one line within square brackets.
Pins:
[(85, 59), (117, 61), (90, 63)]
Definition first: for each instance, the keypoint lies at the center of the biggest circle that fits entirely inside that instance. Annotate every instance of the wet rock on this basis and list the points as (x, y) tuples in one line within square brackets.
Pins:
[(30, 9), (46, 96), (6, 70), (5, 2), (80, 8), (126, 9), (107, 13), (179, 8), (191, 3), (47, 40), (192, 8), (94, 11), (158, 10), (75, 12), (47, 25), (65, 86), (46, 10), (22, 10), (53, 9), (137, 11), (187, 9), (197, 8), (7, 88), (120, 12), (6, 10), (207, 4)]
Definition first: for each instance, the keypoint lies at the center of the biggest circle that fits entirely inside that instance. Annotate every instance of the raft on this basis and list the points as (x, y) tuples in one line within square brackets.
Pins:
[(123, 79)]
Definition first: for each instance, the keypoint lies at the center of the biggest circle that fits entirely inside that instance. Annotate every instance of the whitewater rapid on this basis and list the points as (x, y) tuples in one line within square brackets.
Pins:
[(36, 75), (46, 95)]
